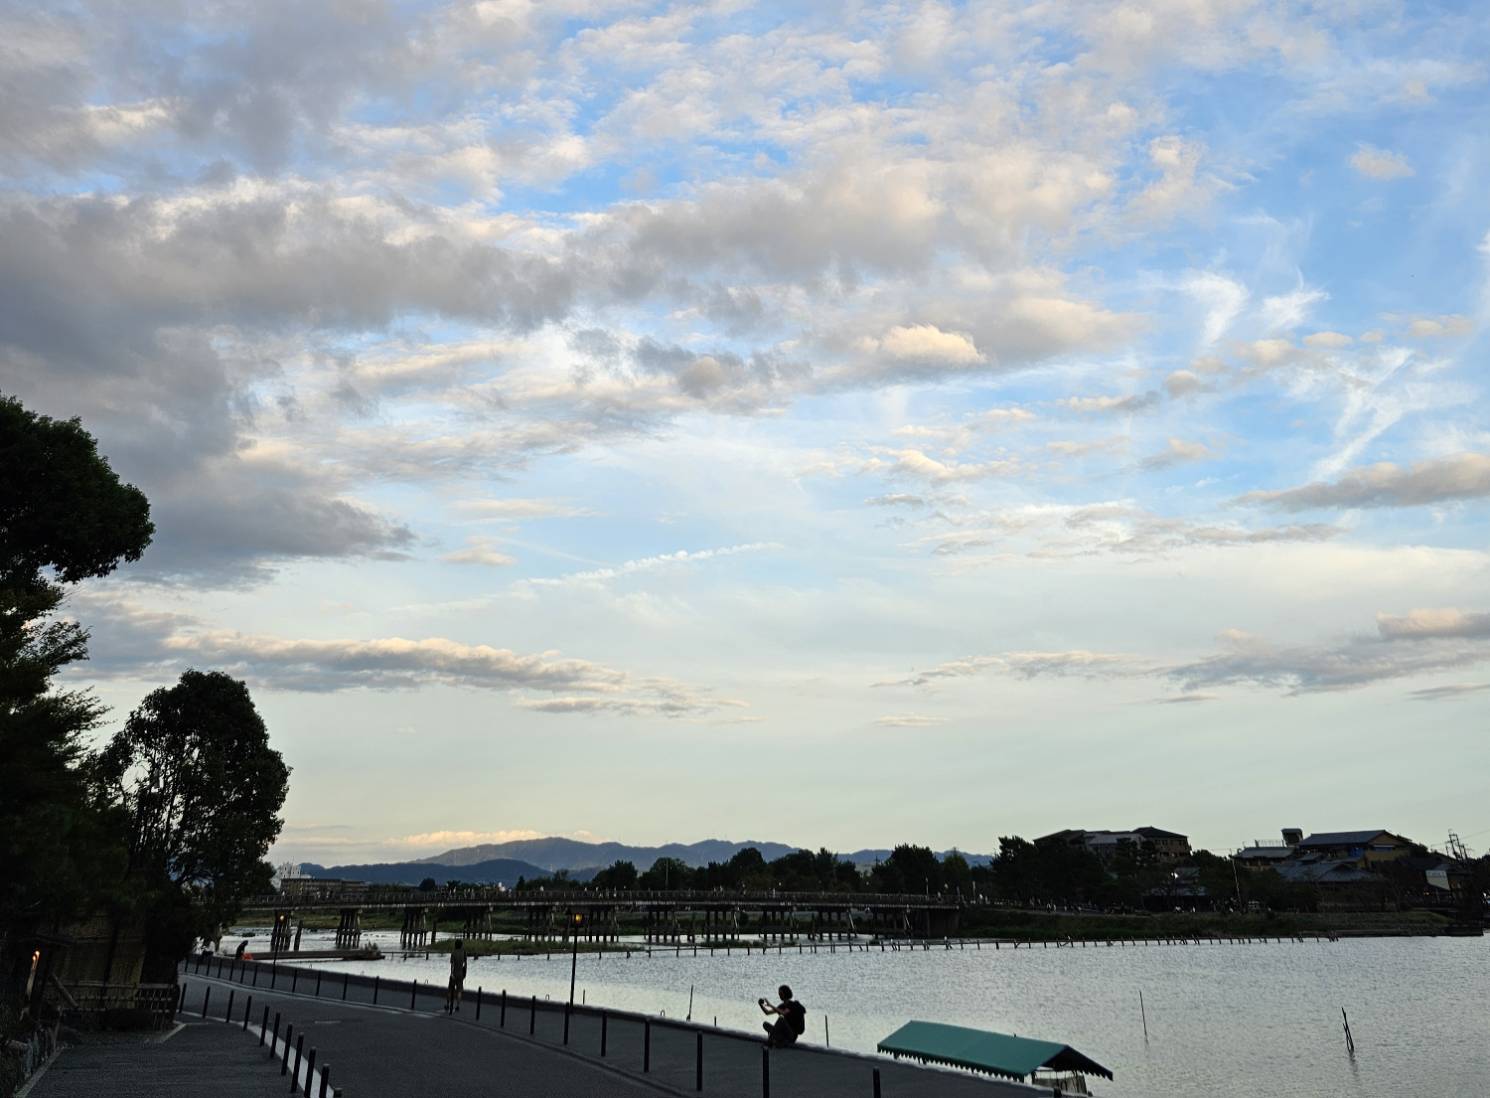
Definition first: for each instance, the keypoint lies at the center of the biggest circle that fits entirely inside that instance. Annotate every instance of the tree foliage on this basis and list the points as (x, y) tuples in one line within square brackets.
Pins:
[(64, 517), (202, 789)]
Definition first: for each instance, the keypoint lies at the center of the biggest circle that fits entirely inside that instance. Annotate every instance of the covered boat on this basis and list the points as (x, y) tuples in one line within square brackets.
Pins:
[(1023, 1058)]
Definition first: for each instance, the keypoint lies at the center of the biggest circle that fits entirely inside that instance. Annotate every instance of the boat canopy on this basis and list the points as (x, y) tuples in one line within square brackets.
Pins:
[(983, 1050)]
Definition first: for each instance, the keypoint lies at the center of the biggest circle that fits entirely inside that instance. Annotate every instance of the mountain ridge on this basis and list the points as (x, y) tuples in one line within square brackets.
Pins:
[(554, 853)]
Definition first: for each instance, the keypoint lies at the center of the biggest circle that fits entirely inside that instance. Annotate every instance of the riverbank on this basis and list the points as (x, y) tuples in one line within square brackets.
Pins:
[(1036, 926)]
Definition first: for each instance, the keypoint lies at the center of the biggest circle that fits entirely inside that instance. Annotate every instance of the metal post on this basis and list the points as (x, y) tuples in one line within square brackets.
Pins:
[(256, 973), (318, 983), (227, 1015), (299, 1056), (181, 998), (604, 1020), (375, 989), (532, 1015), (264, 1025), (294, 978), (413, 991), (206, 997), (698, 1062), (310, 1073), (647, 1046), (876, 1083), (765, 1071), (275, 1042), (345, 976), (478, 1003), (502, 1020), (284, 1065), (325, 1080), (248, 1008)]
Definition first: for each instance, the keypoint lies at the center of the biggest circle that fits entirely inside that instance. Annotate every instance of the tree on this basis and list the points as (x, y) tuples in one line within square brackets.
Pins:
[(908, 869), (202, 788), (63, 511), (429, 884), (666, 874), (619, 875)]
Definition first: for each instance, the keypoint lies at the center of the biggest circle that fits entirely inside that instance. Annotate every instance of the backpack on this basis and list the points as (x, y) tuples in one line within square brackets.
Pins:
[(797, 1018)]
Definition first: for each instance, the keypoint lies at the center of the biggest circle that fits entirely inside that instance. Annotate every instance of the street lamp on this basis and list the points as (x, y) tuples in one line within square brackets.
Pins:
[(576, 920)]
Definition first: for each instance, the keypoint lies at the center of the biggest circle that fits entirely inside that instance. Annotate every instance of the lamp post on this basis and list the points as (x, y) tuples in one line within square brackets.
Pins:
[(576, 920)]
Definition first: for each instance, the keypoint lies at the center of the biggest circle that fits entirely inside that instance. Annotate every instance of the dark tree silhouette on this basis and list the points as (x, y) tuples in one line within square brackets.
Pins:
[(202, 788), (64, 516)]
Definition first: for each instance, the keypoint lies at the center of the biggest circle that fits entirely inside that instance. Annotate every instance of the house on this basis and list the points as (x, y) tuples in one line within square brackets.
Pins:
[(1367, 848), (1164, 846), (1258, 856)]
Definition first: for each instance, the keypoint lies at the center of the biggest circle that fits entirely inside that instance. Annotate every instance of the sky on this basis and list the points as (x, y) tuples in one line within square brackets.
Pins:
[(838, 423)]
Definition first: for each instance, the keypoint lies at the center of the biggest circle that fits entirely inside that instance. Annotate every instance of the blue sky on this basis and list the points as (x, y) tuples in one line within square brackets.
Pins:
[(836, 424)]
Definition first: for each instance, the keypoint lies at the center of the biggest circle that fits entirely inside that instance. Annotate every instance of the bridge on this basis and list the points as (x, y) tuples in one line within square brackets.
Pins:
[(595, 916)]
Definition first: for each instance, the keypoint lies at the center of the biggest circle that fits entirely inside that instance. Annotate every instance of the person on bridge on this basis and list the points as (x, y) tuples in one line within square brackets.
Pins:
[(791, 1021), (457, 976)]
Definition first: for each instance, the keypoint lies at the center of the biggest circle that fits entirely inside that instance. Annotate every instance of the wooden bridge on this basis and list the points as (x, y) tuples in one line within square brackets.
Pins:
[(665, 917)]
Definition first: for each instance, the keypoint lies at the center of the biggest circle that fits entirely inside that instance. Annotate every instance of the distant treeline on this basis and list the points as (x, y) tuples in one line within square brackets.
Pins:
[(1023, 871)]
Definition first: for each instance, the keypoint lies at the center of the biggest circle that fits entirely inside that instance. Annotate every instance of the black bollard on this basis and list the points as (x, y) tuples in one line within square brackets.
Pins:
[(264, 1025), (294, 979), (256, 974), (698, 1062), (502, 1018), (310, 1073), (478, 1004), (227, 1015), (375, 989), (532, 1015), (326, 1080), (345, 976), (299, 1056), (876, 1083), (206, 997), (765, 1071), (413, 991), (284, 1065), (604, 1020), (181, 999), (647, 1046), (318, 983), (248, 1008), (275, 1042)]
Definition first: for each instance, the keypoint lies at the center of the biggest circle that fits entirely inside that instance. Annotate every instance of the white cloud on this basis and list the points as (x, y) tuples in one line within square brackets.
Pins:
[(652, 564), (927, 341), (1441, 480), (480, 551), (1377, 163), (1177, 452)]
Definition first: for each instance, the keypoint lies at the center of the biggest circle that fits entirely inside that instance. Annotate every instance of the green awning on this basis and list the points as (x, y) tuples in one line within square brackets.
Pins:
[(982, 1050)]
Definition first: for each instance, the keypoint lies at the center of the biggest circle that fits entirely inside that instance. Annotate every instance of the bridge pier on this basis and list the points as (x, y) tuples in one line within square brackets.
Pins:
[(280, 934), (349, 929), (413, 933)]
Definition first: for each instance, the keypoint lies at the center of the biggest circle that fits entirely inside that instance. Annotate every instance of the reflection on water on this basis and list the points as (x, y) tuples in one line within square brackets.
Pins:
[(1229, 1021)]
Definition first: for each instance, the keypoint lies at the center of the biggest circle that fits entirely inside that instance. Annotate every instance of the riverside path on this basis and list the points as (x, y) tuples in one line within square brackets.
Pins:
[(405, 1046)]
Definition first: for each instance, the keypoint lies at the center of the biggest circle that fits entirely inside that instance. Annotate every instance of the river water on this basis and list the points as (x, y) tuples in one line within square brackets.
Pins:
[(1229, 1021)]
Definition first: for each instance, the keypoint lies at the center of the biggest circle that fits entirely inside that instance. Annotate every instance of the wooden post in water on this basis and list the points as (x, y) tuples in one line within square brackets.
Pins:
[(1142, 1013), (1349, 1040)]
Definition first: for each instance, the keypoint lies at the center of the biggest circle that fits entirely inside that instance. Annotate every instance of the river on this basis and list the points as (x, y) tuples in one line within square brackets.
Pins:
[(1225, 1021)]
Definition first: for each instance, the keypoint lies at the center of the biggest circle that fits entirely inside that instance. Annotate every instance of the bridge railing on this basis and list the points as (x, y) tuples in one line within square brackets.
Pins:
[(382, 896)]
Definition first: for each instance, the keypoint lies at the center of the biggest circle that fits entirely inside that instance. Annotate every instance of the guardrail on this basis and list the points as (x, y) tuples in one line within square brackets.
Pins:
[(380, 896)]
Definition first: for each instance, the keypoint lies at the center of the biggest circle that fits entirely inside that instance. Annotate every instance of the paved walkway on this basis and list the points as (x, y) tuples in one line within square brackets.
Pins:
[(197, 1059), (389, 1050)]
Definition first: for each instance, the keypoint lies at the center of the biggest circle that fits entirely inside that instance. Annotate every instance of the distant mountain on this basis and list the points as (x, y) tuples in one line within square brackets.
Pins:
[(554, 854), (503, 871)]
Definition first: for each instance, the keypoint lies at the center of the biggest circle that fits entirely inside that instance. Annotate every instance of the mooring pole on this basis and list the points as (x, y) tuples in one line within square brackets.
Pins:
[(1142, 1013), (1349, 1040)]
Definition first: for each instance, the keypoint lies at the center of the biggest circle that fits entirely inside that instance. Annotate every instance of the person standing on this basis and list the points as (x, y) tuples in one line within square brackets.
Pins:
[(457, 976)]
